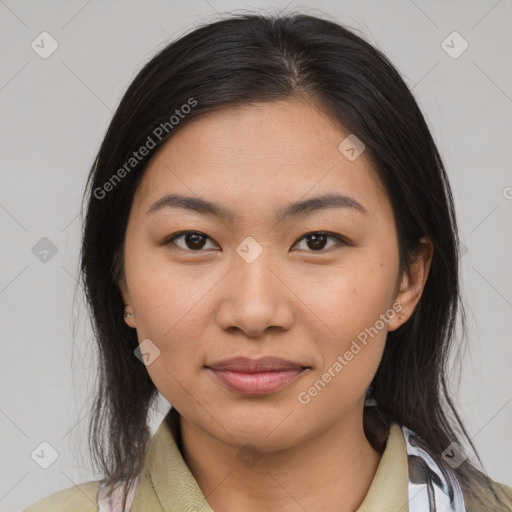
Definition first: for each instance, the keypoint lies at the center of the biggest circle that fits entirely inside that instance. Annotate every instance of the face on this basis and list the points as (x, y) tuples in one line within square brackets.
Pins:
[(305, 287)]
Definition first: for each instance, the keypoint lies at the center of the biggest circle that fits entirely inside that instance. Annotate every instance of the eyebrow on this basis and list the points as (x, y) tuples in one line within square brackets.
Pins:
[(299, 208)]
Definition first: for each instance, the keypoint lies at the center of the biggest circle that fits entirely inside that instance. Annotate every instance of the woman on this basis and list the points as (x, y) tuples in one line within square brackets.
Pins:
[(270, 243)]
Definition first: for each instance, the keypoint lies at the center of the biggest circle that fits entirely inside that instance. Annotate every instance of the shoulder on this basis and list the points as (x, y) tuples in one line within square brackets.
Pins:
[(505, 492), (495, 496), (79, 498)]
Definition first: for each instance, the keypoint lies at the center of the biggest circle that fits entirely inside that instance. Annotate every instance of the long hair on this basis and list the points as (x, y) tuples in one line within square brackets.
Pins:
[(263, 58)]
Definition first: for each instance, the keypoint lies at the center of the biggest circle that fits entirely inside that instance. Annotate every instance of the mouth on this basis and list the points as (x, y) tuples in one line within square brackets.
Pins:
[(256, 376)]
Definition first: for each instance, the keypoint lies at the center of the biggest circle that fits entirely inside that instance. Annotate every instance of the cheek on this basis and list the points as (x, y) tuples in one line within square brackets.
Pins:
[(340, 386), (349, 357), (351, 299), (165, 295), (356, 308), (169, 311)]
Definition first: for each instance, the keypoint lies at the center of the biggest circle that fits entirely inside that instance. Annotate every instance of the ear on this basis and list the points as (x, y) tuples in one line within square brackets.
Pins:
[(120, 280), (412, 283)]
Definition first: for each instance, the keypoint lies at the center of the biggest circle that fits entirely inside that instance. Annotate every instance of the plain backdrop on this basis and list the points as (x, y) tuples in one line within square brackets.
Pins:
[(54, 113)]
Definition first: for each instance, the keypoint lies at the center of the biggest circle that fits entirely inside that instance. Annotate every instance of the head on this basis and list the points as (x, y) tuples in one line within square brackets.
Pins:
[(253, 283), (254, 113)]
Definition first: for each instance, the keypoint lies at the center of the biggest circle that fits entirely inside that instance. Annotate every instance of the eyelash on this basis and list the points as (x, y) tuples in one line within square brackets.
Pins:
[(341, 240)]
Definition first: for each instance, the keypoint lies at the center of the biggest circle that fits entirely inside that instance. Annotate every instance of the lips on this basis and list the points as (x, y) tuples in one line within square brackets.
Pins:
[(256, 376), (248, 365)]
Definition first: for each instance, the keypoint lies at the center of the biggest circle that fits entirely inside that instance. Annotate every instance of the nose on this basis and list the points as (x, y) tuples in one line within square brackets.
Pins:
[(255, 298)]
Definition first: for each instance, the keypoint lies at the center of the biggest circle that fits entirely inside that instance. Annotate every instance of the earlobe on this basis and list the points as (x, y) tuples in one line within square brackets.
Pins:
[(128, 316), (412, 284), (128, 311), (399, 318)]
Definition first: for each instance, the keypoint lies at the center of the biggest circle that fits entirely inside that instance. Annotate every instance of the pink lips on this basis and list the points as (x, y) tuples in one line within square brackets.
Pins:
[(256, 376)]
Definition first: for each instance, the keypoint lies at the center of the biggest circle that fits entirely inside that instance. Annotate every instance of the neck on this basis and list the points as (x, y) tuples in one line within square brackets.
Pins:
[(332, 471)]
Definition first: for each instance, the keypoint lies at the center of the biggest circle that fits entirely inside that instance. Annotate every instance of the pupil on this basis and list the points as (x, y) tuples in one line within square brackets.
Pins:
[(315, 238), (195, 240)]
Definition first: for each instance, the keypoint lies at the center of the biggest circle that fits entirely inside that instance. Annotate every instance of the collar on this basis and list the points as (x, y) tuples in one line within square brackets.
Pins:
[(166, 483)]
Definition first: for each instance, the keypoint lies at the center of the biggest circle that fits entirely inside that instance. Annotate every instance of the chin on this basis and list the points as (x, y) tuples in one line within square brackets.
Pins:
[(270, 429)]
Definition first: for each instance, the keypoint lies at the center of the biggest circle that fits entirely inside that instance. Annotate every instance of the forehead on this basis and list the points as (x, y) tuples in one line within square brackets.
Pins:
[(248, 158)]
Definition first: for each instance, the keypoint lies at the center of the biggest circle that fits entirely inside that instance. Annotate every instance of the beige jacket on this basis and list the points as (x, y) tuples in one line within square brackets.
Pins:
[(167, 485)]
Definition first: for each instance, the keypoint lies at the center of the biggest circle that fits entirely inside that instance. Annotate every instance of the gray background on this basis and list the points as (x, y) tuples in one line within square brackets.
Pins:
[(54, 113)]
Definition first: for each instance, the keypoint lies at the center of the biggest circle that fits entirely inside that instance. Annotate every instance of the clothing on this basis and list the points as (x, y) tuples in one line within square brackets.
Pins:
[(431, 487), (167, 485)]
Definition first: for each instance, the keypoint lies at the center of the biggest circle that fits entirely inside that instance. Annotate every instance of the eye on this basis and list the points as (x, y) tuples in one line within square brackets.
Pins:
[(193, 240), (317, 240)]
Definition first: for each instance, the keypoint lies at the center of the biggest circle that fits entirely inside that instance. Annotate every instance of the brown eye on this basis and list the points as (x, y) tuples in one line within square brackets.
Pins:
[(193, 241), (317, 241)]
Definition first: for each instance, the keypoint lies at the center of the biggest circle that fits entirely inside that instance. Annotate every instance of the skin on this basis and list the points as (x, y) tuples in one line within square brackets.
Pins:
[(199, 306)]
